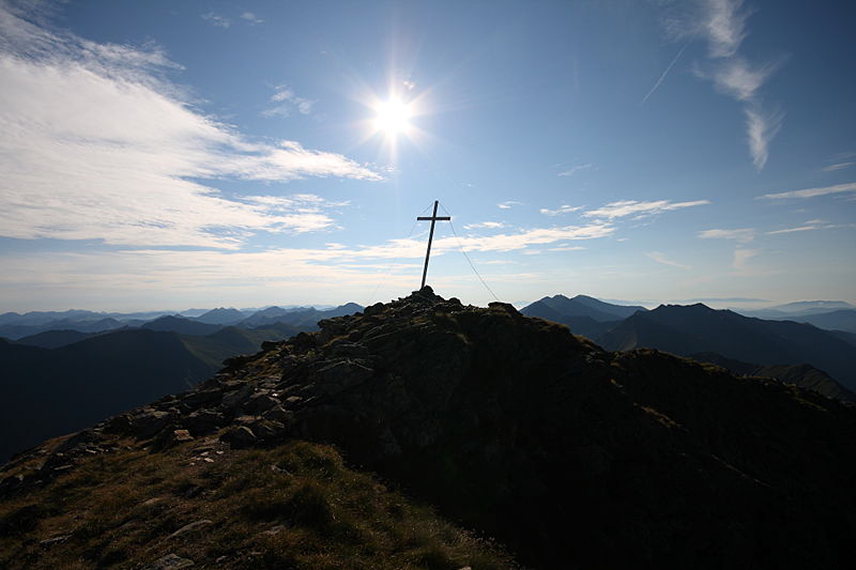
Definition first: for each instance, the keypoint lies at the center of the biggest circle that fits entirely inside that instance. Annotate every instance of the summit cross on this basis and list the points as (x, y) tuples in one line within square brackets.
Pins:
[(433, 218)]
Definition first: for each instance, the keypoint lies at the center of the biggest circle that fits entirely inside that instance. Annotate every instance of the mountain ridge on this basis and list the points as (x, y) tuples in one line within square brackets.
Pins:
[(571, 455), (686, 330)]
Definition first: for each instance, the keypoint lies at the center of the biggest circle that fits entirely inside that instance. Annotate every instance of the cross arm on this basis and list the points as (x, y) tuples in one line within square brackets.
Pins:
[(437, 218)]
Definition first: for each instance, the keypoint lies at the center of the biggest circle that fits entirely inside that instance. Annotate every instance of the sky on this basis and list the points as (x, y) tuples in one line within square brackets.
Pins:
[(166, 155)]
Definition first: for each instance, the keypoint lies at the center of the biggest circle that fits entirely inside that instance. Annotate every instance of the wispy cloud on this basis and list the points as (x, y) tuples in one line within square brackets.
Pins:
[(286, 103), (574, 169), (738, 79), (743, 235), (97, 145), (566, 248), (526, 238), (813, 192), (563, 209), (508, 204), (624, 208), (485, 225), (838, 166), (810, 225), (251, 18), (723, 25), (742, 257), (217, 20), (761, 129), (663, 259)]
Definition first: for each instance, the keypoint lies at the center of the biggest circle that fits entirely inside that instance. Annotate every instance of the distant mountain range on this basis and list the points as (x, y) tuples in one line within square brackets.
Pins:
[(800, 308), (58, 381), (26, 328), (585, 315), (688, 330), (830, 315)]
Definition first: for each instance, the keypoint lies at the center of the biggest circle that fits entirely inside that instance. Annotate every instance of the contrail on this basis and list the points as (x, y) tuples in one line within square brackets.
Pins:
[(665, 73)]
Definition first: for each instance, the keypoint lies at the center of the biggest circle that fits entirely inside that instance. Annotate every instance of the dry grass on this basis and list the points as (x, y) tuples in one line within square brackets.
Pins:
[(295, 506)]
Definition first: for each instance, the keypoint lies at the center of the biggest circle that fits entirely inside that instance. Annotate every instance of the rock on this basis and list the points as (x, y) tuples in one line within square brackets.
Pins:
[(274, 530), (203, 422), (239, 437), (190, 528), (235, 399), (280, 414), (342, 375), (373, 309), (237, 361), (245, 420), (149, 423), (268, 429), (288, 362), (303, 341), (54, 540), (260, 402), (346, 349), (180, 435), (169, 562), (505, 307), (199, 398)]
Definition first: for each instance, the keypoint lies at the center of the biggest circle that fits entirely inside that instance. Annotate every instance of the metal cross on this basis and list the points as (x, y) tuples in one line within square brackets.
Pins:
[(433, 218)]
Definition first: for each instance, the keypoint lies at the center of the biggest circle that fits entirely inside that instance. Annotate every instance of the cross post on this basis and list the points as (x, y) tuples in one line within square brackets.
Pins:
[(433, 219)]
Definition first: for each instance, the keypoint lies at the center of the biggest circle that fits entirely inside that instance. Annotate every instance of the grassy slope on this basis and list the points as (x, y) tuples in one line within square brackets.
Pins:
[(294, 506)]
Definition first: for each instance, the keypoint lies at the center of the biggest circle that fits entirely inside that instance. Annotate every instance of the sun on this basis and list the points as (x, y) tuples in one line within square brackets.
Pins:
[(392, 117)]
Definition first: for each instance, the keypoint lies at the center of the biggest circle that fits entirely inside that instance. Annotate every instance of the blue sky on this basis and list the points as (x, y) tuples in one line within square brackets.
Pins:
[(173, 154)]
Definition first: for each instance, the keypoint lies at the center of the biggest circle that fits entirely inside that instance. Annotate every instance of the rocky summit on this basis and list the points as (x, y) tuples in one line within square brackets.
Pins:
[(376, 441)]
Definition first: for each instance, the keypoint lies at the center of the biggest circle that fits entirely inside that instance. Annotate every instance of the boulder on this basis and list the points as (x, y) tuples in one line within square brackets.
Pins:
[(239, 437), (203, 421)]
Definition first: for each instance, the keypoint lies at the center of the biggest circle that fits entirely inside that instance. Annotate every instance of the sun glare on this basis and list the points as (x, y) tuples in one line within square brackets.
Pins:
[(393, 117)]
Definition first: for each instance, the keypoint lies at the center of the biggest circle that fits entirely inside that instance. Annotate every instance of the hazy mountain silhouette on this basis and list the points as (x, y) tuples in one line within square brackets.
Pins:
[(798, 308), (54, 339), (299, 317), (691, 329), (842, 320), (584, 315), (18, 330), (222, 316), (581, 306), (175, 323)]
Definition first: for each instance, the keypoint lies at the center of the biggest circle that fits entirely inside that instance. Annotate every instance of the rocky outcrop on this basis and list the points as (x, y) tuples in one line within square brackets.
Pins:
[(573, 456)]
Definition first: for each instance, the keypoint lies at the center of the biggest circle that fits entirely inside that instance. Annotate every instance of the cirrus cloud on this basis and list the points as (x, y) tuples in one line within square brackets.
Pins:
[(813, 192), (743, 235), (98, 145), (624, 208)]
